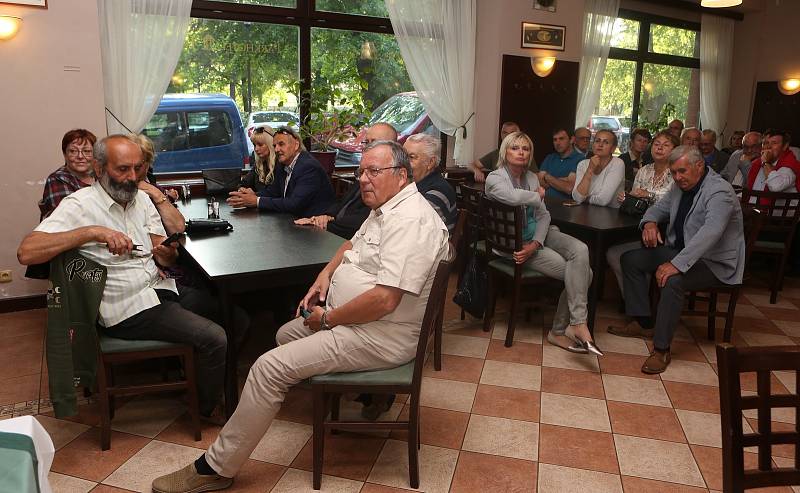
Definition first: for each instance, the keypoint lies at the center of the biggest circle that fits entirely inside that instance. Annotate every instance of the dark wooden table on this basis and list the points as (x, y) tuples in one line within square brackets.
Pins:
[(264, 250)]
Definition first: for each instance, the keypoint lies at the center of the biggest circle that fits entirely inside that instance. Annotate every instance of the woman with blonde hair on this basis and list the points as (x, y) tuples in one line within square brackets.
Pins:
[(262, 170)]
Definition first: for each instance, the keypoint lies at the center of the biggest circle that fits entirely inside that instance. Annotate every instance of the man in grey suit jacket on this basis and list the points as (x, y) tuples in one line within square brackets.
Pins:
[(704, 248)]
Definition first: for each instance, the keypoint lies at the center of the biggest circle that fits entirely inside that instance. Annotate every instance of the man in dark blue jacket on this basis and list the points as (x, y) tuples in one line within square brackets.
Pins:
[(301, 187)]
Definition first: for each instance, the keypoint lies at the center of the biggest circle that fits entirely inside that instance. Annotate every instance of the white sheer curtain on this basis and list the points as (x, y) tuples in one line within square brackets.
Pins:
[(598, 26), (140, 44), (437, 41), (716, 59)]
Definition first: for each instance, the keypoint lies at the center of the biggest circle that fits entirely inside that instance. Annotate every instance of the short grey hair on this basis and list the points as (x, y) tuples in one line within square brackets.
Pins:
[(692, 154), (101, 147), (711, 134), (432, 145), (399, 156)]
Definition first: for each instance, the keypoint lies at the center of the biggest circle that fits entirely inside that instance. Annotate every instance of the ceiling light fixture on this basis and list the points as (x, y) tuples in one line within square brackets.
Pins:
[(9, 26), (790, 87), (717, 4), (542, 66)]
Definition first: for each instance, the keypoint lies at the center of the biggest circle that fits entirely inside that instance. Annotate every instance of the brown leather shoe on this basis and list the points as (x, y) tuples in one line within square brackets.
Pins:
[(633, 329), (657, 362)]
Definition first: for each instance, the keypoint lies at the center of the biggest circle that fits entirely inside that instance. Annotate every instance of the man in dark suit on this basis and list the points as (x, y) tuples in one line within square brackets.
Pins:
[(704, 248), (345, 216), (301, 187), (712, 156)]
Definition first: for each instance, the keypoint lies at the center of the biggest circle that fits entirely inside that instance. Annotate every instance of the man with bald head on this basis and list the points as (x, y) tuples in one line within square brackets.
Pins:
[(582, 141), (481, 167), (740, 160), (345, 216), (691, 137)]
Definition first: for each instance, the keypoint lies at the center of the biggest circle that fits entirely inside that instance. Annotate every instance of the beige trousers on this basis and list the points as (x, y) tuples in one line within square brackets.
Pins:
[(301, 354)]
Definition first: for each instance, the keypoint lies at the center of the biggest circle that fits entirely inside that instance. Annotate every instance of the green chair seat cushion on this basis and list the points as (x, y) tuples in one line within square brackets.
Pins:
[(113, 345), (772, 245), (401, 375), (506, 266)]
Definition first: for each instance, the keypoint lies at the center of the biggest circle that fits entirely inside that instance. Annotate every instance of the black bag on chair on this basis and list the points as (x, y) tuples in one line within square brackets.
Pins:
[(472, 293), (634, 206), (221, 180)]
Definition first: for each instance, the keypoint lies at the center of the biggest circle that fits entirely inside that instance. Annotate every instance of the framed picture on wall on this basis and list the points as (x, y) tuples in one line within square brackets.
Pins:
[(545, 36), (29, 3)]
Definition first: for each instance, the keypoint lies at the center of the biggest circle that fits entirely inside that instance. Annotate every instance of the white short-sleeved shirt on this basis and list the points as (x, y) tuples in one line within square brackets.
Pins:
[(132, 279), (399, 245)]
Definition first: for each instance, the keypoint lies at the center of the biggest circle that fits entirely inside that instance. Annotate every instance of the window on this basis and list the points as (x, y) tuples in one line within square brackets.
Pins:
[(652, 75)]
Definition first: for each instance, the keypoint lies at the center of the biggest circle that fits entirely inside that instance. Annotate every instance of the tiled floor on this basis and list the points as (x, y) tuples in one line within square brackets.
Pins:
[(527, 418)]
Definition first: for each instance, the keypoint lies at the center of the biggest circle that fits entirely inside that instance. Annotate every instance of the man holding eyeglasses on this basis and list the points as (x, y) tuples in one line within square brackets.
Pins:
[(741, 159), (373, 295), (301, 187)]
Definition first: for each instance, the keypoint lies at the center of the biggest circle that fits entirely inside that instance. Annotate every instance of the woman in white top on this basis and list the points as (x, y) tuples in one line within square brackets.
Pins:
[(600, 179), (651, 183)]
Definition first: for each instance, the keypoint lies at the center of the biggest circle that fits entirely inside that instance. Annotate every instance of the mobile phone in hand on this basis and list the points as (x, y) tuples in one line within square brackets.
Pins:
[(173, 238), (304, 313), (569, 203)]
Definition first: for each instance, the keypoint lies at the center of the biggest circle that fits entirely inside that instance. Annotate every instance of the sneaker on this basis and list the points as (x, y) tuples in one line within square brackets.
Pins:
[(633, 329), (188, 480), (657, 362), (565, 343)]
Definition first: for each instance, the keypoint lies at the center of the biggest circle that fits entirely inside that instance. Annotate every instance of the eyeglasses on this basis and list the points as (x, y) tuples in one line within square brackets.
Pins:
[(372, 172), (285, 131), (263, 130), (75, 152)]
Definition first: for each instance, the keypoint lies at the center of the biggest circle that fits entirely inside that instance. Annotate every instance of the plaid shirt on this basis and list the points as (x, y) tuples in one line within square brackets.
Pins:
[(59, 184)]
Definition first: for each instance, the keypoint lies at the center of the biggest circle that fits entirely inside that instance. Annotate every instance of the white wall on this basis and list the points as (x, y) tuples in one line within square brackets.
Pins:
[(42, 99)]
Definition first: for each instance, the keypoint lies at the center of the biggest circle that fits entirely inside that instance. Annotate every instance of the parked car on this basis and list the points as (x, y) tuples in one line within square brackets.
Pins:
[(404, 111), (193, 132), (274, 119), (613, 123)]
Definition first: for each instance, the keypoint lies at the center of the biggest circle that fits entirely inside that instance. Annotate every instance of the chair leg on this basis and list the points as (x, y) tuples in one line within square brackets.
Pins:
[(488, 317), (105, 418), (437, 342), (726, 336), (112, 402), (512, 317), (712, 315), (777, 283), (692, 300), (318, 436), (191, 390), (413, 444)]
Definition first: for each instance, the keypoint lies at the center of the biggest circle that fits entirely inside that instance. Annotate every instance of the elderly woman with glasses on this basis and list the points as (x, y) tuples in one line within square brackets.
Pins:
[(76, 173), (600, 179), (546, 249), (262, 171)]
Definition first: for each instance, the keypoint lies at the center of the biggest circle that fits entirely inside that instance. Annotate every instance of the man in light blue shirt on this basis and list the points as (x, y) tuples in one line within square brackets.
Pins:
[(557, 173)]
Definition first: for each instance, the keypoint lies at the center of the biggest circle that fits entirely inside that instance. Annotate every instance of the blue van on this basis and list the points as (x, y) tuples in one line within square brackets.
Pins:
[(192, 132)]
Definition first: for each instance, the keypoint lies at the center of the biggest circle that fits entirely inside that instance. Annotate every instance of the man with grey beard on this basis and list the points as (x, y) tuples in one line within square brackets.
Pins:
[(116, 225)]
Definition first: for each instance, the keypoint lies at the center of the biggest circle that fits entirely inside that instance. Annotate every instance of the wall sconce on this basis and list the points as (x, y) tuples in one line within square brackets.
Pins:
[(790, 87), (9, 25), (542, 66), (716, 4)]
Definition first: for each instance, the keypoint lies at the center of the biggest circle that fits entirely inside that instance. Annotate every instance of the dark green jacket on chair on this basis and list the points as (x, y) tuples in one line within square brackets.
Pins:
[(73, 300)]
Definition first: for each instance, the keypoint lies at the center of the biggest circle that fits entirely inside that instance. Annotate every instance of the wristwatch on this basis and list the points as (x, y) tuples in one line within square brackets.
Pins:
[(324, 321)]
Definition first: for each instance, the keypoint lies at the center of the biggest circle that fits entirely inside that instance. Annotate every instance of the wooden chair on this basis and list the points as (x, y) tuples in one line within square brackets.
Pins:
[(473, 229), (753, 219), (781, 214), (503, 225), (112, 351), (405, 379), (455, 258), (732, 363)]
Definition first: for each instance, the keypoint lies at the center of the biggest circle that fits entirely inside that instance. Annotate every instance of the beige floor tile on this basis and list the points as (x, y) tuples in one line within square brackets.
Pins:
[(523, 332), (636, 390), (763, 300), (282, 442), (447, 394), (472, 347), (436, 467), (558, 358), (61, 483), (790, 328), (709, 349), (656, 459), (516, 375), (762, 339), (297, 481), (690, 372), (153, 460), (788, 380), (625, 345), (61, 431), (701, 428), (577, 412), (148, 416), (502, 436), (749, 311), (561, 479)]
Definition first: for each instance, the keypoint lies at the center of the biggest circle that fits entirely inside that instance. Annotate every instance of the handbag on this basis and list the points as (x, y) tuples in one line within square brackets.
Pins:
[(472, 294), (634, 206), (208, 226), (221, 180)]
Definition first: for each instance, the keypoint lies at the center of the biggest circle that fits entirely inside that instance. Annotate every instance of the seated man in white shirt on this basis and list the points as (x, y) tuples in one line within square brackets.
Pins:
[(115, 224), (777, 170), (374, 291)]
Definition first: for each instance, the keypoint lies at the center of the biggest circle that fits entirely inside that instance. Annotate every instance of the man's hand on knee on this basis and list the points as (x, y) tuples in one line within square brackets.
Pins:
[(651, 236), (664, 272)]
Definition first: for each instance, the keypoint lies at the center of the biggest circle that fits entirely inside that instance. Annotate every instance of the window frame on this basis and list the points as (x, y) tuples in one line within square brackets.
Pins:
[(643, 55)]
